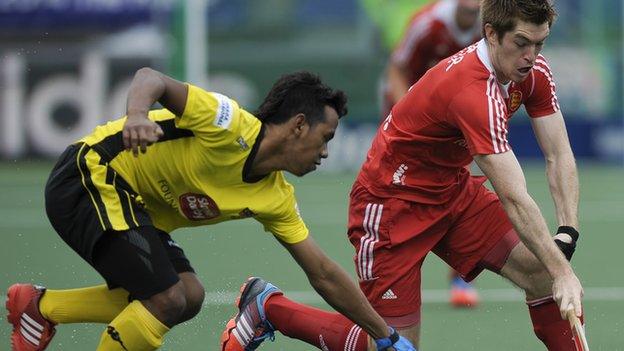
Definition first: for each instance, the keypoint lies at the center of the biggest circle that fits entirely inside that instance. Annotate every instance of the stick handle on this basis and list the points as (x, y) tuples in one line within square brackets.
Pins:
[(579, 331)]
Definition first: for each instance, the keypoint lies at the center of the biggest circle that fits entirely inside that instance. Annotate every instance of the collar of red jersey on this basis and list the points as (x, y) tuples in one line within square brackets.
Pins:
[(484, 57)]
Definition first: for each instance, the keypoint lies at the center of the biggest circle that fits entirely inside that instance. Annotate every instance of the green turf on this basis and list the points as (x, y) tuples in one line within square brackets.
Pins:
[(224, 255)]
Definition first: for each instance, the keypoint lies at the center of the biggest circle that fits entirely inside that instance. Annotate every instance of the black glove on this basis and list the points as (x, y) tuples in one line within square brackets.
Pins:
[(565, 245)]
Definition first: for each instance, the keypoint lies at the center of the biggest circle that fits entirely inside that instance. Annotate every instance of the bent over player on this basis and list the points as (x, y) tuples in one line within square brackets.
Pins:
[(414, 193), (201, 160)]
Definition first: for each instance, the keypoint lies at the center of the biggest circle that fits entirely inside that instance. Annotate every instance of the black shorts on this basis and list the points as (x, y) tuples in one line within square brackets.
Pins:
[(145, 261), (84, 197), (102, 218)]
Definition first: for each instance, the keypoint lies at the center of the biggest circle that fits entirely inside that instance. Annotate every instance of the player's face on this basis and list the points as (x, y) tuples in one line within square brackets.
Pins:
[(467, 13), (515, 55), (311, 145)]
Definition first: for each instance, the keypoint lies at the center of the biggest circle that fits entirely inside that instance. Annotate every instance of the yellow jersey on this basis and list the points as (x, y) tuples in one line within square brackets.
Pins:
[(196, 173)]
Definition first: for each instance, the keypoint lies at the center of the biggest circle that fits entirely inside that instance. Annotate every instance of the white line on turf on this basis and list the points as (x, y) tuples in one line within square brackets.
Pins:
[(430, 296)]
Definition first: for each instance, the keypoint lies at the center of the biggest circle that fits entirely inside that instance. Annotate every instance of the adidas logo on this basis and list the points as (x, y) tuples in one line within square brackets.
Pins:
[(388, 295)]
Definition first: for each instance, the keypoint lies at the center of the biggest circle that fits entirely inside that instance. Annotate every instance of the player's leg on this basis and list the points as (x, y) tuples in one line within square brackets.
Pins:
[(263, 309), (73, 216), (463, 294), (194, 292), (389, 279), (138, 261), (527, 272), (483, 238)]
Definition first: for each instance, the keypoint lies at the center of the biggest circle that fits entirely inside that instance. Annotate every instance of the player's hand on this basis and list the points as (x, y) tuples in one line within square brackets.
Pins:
[(400, 343), (139, 132), (567, 292)]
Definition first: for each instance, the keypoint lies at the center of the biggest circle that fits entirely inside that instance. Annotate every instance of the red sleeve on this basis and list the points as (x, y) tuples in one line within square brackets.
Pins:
[(479, 112), (542, 99), (414, 41)]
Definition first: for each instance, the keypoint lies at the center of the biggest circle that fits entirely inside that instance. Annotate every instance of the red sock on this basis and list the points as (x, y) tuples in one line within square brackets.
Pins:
[(554, 332), (325, 330)]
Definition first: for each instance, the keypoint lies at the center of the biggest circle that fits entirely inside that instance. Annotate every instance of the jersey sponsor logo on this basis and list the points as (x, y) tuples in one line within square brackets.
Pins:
[(398, 178), (198, 207), (225, 111), (389, 295), (515, 99)]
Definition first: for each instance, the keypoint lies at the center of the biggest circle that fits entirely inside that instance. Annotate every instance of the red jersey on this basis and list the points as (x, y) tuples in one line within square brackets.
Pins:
[(431, 36), (456, 110)]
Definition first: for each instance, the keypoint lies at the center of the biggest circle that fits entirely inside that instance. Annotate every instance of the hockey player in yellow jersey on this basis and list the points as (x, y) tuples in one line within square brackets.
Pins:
[(116, 194)]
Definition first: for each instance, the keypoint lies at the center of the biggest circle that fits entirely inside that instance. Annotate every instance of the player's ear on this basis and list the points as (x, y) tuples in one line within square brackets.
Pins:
[(299, 121), (490, 34)]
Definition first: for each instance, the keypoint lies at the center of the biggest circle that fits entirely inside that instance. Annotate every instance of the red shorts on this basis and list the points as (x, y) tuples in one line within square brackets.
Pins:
[(392, 237)]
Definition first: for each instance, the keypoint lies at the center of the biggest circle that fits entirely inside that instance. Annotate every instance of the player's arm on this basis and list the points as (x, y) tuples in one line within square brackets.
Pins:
[(336, 287), (398, 80), (562, 175), (148, 87), (412, 48), (506, 176)]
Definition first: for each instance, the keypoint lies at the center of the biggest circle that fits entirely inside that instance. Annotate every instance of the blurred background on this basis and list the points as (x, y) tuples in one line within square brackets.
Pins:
[(65, 66)]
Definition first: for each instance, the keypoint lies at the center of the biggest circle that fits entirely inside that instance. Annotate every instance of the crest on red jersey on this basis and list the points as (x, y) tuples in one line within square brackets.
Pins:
[(515, 99), (198, 207)]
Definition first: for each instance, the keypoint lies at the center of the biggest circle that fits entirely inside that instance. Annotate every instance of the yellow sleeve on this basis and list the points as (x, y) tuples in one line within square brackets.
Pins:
[(286, 223), (210, 115)]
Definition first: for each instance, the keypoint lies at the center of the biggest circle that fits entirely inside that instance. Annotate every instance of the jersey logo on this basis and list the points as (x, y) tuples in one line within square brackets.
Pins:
[(389, 295), (198, 207), (398, 178), (458, 57), (515, 99), (242, 143), (389, 119), (225, 111), (461, 143)]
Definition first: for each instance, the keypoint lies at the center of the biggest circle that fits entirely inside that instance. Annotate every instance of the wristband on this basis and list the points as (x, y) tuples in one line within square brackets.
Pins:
[(567, 248), (573, 233), (384, 343)]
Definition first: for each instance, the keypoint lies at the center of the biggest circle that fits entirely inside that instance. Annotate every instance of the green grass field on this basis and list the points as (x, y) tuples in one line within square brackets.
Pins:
[(224, 255)]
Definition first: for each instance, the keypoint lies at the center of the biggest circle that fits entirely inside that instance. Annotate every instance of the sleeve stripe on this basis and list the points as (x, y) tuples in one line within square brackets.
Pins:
[(501, 121), (490, 114), (546, 71), (498, 131), (417, 31)]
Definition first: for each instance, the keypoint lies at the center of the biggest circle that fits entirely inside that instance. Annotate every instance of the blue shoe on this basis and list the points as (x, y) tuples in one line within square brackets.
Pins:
[(250, 327)]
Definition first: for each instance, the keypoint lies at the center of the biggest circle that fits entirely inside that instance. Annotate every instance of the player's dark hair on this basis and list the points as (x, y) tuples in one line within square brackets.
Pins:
[(300, 92), (503, 15)]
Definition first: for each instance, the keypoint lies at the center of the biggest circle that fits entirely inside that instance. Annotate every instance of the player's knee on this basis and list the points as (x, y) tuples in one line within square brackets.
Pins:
[(170, 304), (195, 295)]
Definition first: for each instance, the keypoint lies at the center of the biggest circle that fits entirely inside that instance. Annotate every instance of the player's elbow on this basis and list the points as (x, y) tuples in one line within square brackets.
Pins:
[(145, 71), (148, 73)]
